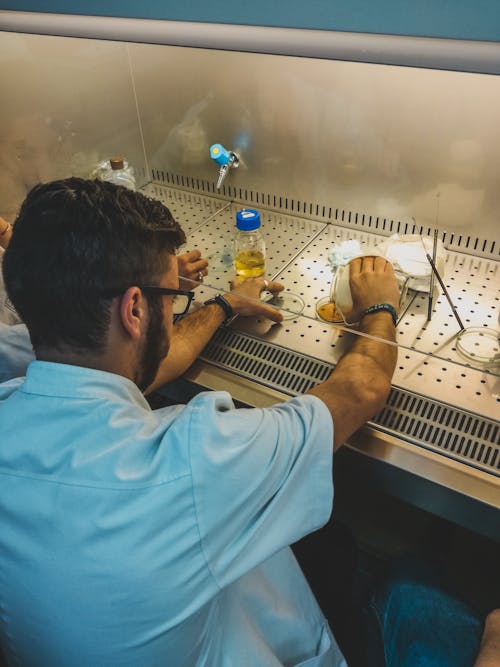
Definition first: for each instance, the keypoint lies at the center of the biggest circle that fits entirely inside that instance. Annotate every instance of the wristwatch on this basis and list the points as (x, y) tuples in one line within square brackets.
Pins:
[(224, 304)]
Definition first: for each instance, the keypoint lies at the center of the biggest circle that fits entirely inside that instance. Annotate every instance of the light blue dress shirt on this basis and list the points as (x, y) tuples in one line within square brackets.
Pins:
[(139, 538), (15, 351), (15, 344)]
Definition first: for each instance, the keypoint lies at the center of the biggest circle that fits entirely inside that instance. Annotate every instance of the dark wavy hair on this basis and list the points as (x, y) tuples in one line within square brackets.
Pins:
[(74, 243)]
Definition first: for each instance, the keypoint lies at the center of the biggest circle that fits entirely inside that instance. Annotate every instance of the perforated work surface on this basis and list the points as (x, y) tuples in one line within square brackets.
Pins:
[(285, 238), (190, 209), (326, 212), (458, 434), (428, 363)]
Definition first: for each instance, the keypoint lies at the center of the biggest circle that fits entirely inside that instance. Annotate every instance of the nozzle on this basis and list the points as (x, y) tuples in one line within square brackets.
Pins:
[(225, 159)]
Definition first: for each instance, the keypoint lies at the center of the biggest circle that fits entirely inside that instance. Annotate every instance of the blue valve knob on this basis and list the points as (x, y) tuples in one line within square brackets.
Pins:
[(219, 154)]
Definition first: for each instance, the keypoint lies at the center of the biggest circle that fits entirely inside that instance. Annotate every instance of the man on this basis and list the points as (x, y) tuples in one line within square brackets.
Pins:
[(16, 351), (137, 537)]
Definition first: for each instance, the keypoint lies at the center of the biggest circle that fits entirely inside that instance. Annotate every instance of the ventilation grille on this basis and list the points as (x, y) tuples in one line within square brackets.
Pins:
[(386, 226), (454, 433), (265, 363)]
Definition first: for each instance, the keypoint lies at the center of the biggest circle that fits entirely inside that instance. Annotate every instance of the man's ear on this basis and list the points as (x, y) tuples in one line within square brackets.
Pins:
[(133, 312)]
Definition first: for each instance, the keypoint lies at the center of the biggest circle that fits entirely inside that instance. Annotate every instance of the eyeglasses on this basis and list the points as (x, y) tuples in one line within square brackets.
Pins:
[(181, 301)]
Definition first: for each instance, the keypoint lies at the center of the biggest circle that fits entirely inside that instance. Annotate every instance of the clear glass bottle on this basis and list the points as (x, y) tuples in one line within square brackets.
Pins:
[(117, 171), (249, 244)]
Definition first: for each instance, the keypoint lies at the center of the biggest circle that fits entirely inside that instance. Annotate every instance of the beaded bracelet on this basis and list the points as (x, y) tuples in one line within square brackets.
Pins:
[(380, 307)]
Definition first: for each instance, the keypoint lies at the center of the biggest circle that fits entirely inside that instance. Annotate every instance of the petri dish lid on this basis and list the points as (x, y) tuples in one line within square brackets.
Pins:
[(289, 303), (480, 345)]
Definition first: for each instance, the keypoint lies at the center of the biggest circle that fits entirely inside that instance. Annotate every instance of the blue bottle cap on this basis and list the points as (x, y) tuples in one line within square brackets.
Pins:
[(247, 219)]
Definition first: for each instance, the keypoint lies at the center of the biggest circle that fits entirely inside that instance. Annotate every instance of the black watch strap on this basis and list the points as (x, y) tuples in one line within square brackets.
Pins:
[(224, 304)]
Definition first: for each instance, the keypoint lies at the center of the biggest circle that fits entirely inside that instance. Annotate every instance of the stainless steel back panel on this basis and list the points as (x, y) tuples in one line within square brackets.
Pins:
[(320, 138), (66, 105), (389, 142)]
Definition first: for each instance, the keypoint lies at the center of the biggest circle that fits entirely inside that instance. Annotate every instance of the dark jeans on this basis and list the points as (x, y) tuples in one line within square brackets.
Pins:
[(413, 621)]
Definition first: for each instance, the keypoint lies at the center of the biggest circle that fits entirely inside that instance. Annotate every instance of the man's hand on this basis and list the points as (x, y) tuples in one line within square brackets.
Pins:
[(192, 332), (360, 382), (372, 281), (192, 267), (5, 233), (245, 297)]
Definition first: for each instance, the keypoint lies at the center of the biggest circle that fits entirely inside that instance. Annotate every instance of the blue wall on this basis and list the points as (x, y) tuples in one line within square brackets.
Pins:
[(462, 19)]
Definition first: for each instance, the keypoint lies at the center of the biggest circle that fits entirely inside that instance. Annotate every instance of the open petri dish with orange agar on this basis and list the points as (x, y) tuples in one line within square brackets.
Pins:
[(327, 311)]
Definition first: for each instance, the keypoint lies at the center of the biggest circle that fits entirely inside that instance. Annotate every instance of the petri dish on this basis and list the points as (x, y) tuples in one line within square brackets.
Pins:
[(289, 303), (480, 345), (327, 312)]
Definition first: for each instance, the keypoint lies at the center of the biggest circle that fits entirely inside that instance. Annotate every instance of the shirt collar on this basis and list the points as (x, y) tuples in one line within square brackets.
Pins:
[(46, 378)]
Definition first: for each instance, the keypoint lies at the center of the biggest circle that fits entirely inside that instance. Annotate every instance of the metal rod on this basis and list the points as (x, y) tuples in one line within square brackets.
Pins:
[(443, 287), (431, 282)]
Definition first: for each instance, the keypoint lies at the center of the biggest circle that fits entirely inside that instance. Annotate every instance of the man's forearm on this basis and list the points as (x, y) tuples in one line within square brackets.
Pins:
[(376, 354), (189, 337), (192, 333), (358, 386)]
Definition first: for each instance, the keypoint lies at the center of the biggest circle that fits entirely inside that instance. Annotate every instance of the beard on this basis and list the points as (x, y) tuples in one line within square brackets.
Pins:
[(155, 346)]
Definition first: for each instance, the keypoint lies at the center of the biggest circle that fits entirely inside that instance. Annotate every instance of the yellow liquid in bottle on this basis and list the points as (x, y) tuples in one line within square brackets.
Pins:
[(249, 263)]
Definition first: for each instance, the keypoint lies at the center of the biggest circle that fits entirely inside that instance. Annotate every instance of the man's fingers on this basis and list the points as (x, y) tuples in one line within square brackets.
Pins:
[(193, 255), (380, 264), (368, 263), (355, 266), (271, 313), (201, 265), (274, 286), (252, 286)]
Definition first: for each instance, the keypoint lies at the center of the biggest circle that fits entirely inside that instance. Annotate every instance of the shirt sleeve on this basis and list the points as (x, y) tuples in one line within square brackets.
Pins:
[(8, 314), (262, 478), (16, 351)]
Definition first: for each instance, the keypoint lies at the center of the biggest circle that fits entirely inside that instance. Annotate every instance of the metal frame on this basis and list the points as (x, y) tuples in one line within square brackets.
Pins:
[(434, 53)]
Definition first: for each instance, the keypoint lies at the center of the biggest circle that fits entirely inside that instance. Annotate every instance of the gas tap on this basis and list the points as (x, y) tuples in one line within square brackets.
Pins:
[(225, 159)]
